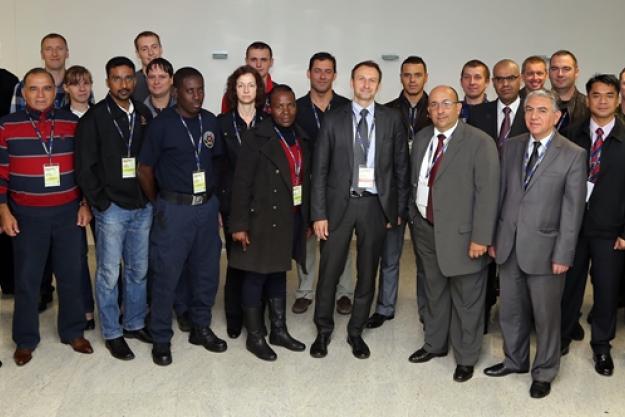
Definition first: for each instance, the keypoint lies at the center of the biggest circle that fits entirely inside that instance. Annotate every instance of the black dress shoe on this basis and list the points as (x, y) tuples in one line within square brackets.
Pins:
[(578, 332), (161, 354), (142, 335), (184, 322), (233, 333), (90, 324), (376, 320), (423, 355), (204, 336), (463, 373), (119, 349), (501, 370), (603, 364), (540, 389), (360, 349), (319, 348)]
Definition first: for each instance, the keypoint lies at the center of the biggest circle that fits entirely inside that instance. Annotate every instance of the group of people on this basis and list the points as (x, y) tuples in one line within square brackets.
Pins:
[(521, 195)]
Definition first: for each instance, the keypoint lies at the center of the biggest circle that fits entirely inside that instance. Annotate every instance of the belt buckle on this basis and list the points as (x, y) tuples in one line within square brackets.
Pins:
[(197, 200)]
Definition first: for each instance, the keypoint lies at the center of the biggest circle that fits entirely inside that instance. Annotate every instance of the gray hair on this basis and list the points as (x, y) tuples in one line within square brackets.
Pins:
[(541, 92)]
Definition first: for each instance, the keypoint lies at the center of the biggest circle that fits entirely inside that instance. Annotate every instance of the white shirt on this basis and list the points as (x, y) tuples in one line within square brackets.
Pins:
[(356, 109), (130, 111), (606, 129), (514, 107)]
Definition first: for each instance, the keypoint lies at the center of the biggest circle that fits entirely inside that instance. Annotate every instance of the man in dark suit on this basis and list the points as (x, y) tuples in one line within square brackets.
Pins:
[(601, 243), (360, 182), (540, 212)]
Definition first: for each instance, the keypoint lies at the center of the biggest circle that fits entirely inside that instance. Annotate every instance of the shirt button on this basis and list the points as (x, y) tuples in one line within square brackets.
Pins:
[(277, 171), (275, 207), (275, 190), (273, 225)]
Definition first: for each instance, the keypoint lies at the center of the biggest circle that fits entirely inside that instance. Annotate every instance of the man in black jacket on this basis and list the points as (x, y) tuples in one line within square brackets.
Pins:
[(601, 242), (108, 141)]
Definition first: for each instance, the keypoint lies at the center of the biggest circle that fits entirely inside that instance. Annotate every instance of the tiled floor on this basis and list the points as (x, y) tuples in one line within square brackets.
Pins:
[(59, 382)]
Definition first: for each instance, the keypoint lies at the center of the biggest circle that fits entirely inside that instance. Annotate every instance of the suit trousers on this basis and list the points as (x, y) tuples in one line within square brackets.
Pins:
[(366, 217), (606, 270), (454, 310), (421, 300), (524, 296)]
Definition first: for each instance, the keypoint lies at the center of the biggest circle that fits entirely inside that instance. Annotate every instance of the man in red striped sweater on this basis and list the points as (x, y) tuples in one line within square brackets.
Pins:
[(41, 209)]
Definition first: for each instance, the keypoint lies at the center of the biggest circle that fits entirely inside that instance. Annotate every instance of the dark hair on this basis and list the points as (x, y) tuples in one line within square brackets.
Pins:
[(36, 71), (533, 59), (161, 63), (620, 74), (607, 79), (280, 88), (145, 34), (413, 59), (370, 64), (231, 86), (474, 63), (53, 36), (564, 52), (322, 56), (119, 61), (258, 45), (75, 73), (184, 73)]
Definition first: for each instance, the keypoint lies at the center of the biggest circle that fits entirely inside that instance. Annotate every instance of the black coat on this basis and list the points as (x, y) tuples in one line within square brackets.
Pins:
[(262, 203), (484, 117)]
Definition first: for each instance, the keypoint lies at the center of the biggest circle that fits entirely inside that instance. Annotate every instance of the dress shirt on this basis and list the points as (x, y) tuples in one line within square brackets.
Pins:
[(356, 109), (514, 107)]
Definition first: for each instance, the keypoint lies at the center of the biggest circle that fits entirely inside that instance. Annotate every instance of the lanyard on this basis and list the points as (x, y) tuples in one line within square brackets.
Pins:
[(359, 139), (436, 157), (526, 158), (236, 127), (47, 150), (297, 159), (119, 130), (197, 149)]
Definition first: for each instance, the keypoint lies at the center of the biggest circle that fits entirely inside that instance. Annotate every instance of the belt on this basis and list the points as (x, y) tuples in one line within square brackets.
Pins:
[(185, 199), (356, 194)]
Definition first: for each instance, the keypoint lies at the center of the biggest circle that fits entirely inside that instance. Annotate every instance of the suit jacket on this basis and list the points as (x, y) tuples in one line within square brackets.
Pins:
[(544, 220), (484, 117), (334, 159), (464, 195), (604, 216)]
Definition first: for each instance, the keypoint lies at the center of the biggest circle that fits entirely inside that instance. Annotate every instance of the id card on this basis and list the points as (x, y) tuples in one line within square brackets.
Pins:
[(51, 175), (422, 193), (297, 195), (365, 177), (199, 182), (128, 168), (589, 187)]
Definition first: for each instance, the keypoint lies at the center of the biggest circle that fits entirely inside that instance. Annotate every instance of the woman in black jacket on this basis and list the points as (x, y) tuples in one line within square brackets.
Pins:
[(269, 219)]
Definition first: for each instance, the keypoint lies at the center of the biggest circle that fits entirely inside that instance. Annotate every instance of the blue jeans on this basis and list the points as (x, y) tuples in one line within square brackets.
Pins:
[(122, 233)]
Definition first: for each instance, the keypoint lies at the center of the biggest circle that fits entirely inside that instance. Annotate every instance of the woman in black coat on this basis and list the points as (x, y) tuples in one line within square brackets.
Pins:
[(245, 93), (269, 219)]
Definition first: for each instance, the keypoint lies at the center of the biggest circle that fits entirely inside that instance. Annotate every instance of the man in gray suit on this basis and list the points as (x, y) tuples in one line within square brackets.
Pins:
[(455, 184), (542, 195)]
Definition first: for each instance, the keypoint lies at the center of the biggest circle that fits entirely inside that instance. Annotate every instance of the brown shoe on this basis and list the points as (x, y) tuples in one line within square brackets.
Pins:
[(81, 345), (22, 356), (343, 305), (301, 305)]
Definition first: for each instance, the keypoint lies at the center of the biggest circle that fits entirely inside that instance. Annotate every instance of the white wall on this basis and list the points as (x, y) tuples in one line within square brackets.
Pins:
[(445, 33)]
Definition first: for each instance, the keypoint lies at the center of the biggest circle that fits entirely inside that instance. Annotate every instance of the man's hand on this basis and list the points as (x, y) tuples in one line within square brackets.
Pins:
[(8, 222), (492, 252), (321, 229), (84, 216), (558, 269), (476, 250), (619, 244), (242, 237)]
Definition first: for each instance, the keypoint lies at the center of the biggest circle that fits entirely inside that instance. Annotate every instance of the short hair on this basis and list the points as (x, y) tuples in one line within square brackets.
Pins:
[(53, 36), (322, 56), (37, 71), (533, 59), (620, 74), (145, 34), (75, 73), (118, 61), (474, 63), (184, 73), (231, 86), (370, 64), (161, 63), (564, 52), (413, 59), (258, 45), (607, 79), (280, 88), (541, 92)]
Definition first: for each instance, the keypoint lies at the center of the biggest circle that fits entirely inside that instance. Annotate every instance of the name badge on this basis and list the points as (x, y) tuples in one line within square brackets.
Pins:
[(589, 187), (297, 195), (51, 175), (365, 177), (199, 182), (129, 168), (422, 193)]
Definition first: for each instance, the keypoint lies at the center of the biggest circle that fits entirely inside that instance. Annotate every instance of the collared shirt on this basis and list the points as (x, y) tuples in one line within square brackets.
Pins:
[(356, 109), (541, 149), (514, 107), (426, 163), (154, 110), (606, 129), (129, 112)]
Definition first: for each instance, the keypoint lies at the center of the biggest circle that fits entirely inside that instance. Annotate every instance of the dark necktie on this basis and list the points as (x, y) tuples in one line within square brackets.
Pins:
[(505, 127), (361, 146), (530, 168), (438, 157), (595, 157)]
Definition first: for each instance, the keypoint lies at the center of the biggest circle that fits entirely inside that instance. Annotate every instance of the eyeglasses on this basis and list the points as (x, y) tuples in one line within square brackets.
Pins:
[(115, 79), (446, 104), (509, 78)]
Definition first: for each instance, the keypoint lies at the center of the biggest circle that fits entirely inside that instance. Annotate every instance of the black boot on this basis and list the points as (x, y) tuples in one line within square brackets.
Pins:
[(255, 342), (279, 334)]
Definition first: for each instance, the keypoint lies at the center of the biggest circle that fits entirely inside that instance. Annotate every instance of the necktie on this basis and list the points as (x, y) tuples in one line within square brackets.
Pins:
[(595, 157), (530, 168), (505, 127), (361, 146), (438, 157)]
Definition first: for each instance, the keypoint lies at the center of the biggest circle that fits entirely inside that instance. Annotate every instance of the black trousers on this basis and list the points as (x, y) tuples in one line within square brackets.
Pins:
[(364, 216), (257, 286), (606, 270), (232, 291), (7, 281)]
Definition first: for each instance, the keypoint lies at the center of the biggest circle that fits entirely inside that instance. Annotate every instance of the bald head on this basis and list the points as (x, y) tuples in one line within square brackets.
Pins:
[(507, 80), (443, 107)]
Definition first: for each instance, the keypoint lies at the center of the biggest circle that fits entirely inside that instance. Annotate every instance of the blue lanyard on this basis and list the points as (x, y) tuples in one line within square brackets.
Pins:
[(437, 156), (297, 162), (197, 149), (47, 150), (526, 159), (236, 127), (119, 130)]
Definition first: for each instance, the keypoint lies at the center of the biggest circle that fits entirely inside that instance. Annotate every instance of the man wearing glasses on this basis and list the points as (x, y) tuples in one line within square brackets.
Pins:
[(563, 72)]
